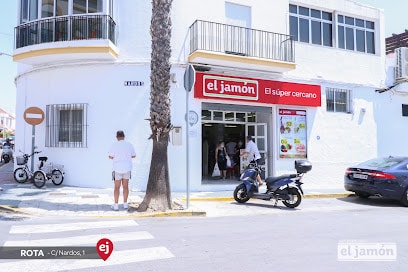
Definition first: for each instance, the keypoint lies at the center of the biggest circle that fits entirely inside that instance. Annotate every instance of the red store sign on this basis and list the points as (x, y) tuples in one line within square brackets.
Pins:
[(211, 86)]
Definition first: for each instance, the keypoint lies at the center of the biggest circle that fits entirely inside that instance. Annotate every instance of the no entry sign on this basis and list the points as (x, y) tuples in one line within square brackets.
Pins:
[(34, 116)]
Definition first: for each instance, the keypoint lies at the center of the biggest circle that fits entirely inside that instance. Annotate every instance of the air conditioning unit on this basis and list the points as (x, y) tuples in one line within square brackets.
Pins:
[(401, 70)]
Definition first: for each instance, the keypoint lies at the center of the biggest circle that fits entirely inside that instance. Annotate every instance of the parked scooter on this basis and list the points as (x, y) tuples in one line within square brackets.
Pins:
[(7, 154), (286, 188)]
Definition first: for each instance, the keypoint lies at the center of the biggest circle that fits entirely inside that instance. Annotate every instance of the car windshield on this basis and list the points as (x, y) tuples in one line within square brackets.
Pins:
[(382, 162)]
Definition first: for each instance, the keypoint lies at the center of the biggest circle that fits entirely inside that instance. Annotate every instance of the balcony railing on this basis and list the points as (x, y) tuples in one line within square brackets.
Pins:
[(65, 28), (229, 39)]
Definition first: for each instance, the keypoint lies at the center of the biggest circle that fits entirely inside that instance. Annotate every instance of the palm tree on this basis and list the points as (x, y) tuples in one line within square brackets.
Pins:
[(158, 193)]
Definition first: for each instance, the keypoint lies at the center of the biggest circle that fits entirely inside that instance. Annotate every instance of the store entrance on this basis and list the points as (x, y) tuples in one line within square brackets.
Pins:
[(232, 126), (232, 134)]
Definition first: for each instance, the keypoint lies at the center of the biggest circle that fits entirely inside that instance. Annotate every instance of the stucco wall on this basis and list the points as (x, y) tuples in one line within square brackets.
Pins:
[(335, 140)]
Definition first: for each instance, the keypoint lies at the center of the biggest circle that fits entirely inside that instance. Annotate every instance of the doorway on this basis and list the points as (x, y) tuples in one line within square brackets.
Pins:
[(212, 133), (232, 126)]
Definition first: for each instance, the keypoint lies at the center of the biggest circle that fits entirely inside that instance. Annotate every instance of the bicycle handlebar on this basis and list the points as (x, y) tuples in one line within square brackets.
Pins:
[(35, 152)]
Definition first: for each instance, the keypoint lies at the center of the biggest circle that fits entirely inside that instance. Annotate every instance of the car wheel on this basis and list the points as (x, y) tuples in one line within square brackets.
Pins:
[(404, 198), (363, 195)]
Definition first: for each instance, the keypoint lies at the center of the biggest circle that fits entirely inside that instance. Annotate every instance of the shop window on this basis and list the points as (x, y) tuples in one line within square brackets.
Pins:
[(241, 117), (66, 125), (218, 116), (230, 116), (338, 100), (205, 115), (252, 117)]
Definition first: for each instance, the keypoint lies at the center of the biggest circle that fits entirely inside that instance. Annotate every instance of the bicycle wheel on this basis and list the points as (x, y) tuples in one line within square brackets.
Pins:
[(39, 179), (57, 177), (20, 175)]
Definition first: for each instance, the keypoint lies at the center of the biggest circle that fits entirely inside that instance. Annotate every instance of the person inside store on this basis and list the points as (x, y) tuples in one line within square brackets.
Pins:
[(237, 157), (221, 159), (252, 151), (231, 147)]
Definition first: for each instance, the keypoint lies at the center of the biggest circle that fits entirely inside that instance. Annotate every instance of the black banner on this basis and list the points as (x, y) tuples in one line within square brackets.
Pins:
[(49, 253)]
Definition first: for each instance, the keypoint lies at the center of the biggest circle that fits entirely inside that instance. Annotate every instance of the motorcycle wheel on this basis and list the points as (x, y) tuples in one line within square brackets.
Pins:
[(20, 175), (296, 198), (39, 179), (57, 177), (241, 194), (6, 158)]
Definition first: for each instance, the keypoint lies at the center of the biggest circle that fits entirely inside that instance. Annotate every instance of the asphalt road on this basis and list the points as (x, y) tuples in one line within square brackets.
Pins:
[(291, 240)]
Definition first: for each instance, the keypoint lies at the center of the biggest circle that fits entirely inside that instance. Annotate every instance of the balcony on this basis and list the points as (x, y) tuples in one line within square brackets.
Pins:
[(92, 36), (239, 47)]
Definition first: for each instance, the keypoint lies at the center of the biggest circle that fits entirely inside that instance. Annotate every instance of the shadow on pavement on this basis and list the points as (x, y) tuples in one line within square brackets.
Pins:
[(371, 201), (271, 204)]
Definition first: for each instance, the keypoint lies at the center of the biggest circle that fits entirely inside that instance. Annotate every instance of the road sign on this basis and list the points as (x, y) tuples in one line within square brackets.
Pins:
[(189, 78), (34, 116)]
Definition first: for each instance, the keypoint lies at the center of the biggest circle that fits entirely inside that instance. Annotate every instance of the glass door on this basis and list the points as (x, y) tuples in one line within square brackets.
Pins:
[(259, 135)]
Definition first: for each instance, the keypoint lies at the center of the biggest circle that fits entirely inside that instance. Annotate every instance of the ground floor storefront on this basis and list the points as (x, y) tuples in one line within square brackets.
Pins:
[(288, 119)]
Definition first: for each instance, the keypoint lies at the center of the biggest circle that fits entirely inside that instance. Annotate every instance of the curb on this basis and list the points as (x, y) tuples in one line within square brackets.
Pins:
[(329, 195), (222, 198), (13, 209), (175, 213), (135, 214)]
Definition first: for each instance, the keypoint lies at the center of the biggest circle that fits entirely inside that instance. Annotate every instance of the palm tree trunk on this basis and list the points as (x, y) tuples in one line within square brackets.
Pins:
[(158, 192)]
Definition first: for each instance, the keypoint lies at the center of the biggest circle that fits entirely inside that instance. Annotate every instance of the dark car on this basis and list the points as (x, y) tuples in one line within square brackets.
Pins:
[(386, 177)]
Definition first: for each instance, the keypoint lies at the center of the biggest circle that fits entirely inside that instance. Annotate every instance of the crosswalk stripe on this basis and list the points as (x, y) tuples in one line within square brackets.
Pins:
[(83, 240), (117, 258), (47, 228)]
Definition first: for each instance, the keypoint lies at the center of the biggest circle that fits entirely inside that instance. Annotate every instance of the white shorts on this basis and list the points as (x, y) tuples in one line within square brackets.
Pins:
[(120, 176)]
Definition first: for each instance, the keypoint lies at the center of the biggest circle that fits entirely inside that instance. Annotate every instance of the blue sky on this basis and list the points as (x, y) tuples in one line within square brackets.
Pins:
[(8, 70), (395, 22)]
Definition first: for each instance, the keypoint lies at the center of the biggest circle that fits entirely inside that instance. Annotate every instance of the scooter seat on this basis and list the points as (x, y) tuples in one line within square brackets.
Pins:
[(272, 180)]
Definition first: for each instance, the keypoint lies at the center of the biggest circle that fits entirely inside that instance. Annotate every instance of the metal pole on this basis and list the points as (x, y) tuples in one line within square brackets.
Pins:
[(187, 155), (32, 148)]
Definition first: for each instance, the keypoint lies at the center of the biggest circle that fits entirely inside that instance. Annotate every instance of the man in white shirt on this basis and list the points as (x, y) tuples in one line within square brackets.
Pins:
[(122, 153), (253, 154)]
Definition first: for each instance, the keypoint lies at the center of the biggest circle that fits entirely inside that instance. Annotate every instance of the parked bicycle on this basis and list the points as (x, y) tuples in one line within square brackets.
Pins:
[(23, 173), (48, 171)]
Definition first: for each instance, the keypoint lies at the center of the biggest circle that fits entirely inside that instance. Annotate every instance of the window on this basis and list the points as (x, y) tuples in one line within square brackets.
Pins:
[(315, 26), (62, 7), (228, 116), (87, 6), (311, 25), (29, 10), (404, 110), (355, 34), (338, 100), (66, 125)]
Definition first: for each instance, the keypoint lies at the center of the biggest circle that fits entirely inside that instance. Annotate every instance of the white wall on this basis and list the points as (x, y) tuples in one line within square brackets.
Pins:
[(343, 138)]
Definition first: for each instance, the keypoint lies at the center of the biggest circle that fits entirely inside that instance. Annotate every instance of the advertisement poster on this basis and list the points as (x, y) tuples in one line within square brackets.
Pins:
[(292, 133)]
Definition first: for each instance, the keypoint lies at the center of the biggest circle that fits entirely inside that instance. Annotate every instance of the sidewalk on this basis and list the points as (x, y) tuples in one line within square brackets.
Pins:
[(91, 202)]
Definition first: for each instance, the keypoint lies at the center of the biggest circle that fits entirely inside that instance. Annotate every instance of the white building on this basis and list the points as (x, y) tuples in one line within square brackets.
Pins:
[(7, 124), (86, 65)]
